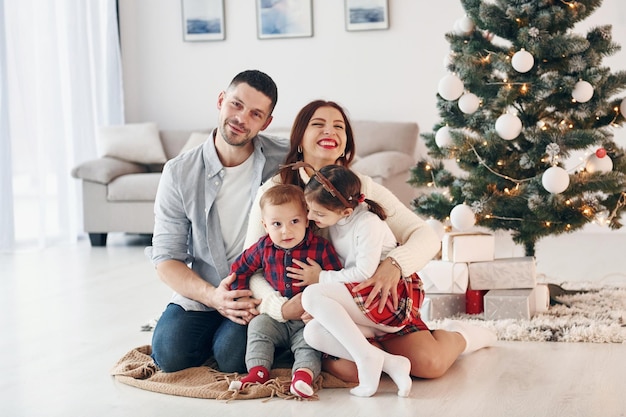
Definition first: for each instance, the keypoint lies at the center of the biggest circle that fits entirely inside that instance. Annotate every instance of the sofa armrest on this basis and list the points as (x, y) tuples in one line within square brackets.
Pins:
[(106, 169)]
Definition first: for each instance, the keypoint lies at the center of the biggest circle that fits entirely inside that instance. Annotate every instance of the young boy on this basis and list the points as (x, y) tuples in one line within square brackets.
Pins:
[(284, 217)]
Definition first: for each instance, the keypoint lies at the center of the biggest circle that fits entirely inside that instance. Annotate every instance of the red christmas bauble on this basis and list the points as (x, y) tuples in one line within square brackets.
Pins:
[(601, 153)]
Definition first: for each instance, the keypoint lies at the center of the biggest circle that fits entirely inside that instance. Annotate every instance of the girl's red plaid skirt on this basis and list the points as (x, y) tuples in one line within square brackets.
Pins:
[(410, 298)]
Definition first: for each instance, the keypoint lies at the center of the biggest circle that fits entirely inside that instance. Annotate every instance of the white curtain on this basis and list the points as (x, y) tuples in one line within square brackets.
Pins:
[(60, 78)]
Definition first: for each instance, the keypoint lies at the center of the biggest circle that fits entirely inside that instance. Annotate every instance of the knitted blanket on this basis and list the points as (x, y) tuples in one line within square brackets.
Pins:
[(136, 368)]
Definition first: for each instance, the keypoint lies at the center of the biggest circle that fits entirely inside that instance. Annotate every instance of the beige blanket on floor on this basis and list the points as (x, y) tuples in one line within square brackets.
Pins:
[(137, 369)]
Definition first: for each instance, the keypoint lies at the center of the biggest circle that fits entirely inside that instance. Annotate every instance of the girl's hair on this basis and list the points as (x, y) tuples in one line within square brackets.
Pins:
[(283, 194), (347, 183), (297, 134)]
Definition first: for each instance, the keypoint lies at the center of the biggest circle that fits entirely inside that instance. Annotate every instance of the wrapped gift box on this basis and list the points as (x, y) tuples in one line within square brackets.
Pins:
[(474, 301), (440, 306), (468, 247), (508, 304), (502, 274), (443, 277), (541, 296)]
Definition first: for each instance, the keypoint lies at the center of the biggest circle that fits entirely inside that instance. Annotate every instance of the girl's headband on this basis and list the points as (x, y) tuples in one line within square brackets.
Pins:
[(326, 184)]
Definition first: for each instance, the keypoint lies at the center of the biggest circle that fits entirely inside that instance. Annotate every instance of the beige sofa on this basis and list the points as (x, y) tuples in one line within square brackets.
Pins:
[(119, 191)]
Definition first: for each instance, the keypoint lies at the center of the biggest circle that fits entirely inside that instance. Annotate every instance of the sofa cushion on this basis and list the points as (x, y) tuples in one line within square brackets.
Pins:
[(138, 142), (195, 139), (383, 164), (372, 137), (134, 187)]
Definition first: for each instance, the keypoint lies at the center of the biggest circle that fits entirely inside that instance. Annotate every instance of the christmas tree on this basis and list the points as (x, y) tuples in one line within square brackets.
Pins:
[(523, 96)]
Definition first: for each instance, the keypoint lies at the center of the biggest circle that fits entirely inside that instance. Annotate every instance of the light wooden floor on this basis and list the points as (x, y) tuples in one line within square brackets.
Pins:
[(69, 313)]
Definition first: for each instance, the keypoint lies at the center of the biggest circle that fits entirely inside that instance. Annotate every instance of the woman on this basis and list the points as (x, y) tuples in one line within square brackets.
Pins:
[(322, 135)]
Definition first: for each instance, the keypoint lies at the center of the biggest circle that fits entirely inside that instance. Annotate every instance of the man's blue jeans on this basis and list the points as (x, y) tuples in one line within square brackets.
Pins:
[(184, 339)]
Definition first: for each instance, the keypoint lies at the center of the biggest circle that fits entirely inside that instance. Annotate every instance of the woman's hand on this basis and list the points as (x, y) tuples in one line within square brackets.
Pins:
[(307, 274), (385, 281)]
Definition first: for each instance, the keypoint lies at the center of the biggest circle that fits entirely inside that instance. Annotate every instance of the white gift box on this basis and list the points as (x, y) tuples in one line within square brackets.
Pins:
[(468, 247), (504, 273), (508, 304), (443, 277), (541, 296), (440, 306)]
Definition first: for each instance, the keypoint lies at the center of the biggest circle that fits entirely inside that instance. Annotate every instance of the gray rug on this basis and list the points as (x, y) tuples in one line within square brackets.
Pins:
[(596, 316)]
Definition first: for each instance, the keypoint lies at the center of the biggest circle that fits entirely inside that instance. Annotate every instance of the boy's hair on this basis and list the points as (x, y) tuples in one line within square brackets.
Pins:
[(282, 194), (259, 81), (347, 183)]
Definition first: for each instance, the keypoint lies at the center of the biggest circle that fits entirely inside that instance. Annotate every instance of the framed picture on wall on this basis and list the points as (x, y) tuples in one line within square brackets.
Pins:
[(366, 14), (284, 18), (203, 20)]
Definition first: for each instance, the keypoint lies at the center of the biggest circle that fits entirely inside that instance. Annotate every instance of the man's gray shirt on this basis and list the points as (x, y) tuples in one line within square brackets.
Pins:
[(186, 221)]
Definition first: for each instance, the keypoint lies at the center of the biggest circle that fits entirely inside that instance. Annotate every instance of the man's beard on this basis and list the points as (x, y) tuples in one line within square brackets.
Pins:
[(224, 132)]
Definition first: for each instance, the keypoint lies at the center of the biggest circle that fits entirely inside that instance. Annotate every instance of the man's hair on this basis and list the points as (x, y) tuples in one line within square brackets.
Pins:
[(283, 194), (259, 81)]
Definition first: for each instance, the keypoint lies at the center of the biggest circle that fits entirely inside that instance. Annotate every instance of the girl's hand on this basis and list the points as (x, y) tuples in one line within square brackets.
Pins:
[(308, 273), (385, 281)]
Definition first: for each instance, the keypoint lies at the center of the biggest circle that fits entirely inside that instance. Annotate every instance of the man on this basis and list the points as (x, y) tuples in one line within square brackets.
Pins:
[(201, 213)]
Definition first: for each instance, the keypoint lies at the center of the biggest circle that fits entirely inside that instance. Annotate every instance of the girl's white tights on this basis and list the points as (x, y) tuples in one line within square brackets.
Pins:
[(340, 328)]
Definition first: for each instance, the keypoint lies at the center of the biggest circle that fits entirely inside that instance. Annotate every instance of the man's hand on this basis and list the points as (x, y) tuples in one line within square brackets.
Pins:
[(292, 309), (385, 282), (308, 273), (236, 305)]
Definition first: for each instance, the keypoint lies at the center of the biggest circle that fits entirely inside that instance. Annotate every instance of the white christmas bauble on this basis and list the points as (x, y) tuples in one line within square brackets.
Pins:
[(508, 126), (462, 217), (443, 139), (437, 226), (622, 107), (555, 180), (450, 87), (468, 103), (465, 25), (583, 91), (522, 61), (595, 164)]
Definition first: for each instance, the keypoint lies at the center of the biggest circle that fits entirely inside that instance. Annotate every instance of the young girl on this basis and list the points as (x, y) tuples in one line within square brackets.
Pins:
[(341, 324)]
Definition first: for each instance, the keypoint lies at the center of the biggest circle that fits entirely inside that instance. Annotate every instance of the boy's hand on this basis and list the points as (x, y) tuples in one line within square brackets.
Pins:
[(308, 273), (292, 309), (306, 317)]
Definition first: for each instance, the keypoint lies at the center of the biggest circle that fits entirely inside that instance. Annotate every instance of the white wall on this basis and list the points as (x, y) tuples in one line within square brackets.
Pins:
[(385, 74)]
